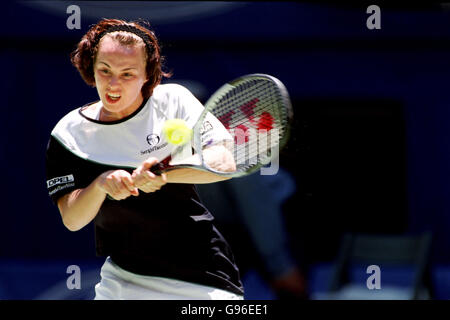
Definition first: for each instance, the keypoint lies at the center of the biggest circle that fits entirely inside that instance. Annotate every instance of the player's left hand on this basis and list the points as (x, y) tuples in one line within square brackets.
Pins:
[(147, 181), (219, 158)]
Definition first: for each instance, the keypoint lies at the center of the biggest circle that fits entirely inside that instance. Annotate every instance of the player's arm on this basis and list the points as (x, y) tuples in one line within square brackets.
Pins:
[(80, 206), (194, 176), (216, 157)]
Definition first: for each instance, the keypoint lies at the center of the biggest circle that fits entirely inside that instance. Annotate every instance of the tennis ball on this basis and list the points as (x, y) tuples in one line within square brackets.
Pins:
[(176, 131)]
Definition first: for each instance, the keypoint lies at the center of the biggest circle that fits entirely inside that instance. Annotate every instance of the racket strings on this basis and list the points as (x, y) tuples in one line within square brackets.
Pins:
[(229, 108), (252, 110), (254, 151)]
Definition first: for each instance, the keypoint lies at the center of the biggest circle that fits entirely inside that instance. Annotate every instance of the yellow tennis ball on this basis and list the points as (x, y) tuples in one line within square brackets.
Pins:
[(176, 131)]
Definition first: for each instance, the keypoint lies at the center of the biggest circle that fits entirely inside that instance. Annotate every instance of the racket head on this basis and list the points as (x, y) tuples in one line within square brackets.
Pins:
[(256, 109)]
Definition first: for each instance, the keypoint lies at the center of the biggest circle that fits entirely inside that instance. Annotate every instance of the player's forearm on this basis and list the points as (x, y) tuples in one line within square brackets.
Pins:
[(79, 207), (218, 158), (187, 175)]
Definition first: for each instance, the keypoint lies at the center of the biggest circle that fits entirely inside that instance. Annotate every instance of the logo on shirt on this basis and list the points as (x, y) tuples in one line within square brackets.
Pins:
[(153, 139), (206, 127), (60, 180)]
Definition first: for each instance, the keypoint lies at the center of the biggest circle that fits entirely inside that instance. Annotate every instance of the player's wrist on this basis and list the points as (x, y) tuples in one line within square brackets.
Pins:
[(97, 186)]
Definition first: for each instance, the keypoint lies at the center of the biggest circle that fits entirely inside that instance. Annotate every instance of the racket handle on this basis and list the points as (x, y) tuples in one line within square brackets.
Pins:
[(157, 168)]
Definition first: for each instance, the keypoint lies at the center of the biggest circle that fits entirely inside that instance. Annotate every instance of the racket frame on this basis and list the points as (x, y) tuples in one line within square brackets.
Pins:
[(211, 103)]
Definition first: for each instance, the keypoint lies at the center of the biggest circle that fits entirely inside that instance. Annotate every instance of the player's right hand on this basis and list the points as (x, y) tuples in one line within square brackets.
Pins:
[(146, 180), (118, 184)]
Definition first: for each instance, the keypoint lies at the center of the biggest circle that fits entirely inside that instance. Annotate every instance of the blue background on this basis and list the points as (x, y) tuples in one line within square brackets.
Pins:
[(317, 50)]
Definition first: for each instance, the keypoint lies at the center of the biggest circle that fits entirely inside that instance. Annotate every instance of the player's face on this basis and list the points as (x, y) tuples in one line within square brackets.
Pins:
[(119, 73)]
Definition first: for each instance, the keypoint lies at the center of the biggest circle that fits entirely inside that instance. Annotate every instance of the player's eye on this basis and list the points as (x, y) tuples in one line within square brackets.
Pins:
[(127, 75), (104, 71)]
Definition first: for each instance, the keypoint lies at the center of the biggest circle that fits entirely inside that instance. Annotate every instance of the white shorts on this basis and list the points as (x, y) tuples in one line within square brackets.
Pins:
[(119, 284)]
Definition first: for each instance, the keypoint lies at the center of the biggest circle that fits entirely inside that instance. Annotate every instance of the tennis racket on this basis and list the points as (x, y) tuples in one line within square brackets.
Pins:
[(256, 111)]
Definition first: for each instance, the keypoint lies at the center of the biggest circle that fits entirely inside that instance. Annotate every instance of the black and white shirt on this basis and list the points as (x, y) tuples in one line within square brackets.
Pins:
[(168, 233)]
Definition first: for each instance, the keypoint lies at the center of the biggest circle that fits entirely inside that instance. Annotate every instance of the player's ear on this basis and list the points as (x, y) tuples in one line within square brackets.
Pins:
[(93, 80)]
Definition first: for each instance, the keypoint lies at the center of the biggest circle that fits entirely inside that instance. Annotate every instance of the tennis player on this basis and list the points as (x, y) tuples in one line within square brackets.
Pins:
[(159, 241)]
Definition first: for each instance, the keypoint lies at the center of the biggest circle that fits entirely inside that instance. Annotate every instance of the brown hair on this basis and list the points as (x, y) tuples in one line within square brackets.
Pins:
[(83, 57)]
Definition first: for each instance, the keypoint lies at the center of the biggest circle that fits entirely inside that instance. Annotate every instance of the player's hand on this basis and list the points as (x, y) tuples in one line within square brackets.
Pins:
[(118, 184), (147, 181), (219, 158)]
